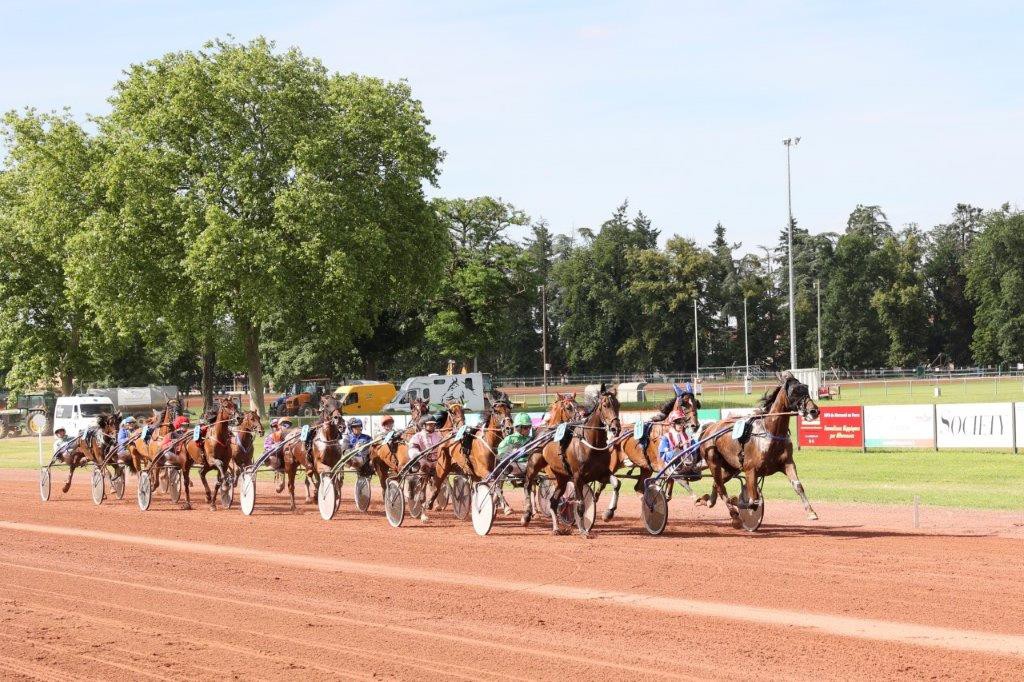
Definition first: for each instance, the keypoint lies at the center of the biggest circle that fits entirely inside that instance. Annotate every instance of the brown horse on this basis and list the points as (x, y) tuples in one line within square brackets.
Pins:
[(767, 450), (390, 457), (242, 445), (475, 454), (212, 452), (143, 452), (92, 446), (324, 447), (627, 451), (585, 455)]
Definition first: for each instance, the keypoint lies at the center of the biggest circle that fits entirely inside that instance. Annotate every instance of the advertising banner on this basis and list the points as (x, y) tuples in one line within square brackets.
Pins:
[(1020, 424), (975, 425), (899, 426), (837, 426)]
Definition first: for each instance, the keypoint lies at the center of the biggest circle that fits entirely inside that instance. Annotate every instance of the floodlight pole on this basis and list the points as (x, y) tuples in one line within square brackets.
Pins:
[(544, 334), (696, 343), (791, 142), (817, 285), (746, 348)]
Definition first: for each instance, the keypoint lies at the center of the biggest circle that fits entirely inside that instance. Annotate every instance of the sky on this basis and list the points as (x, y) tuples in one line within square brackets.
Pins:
[(565, 109)]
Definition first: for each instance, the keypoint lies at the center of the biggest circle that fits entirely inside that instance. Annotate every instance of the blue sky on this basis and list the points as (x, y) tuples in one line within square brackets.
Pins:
[(566, 108)]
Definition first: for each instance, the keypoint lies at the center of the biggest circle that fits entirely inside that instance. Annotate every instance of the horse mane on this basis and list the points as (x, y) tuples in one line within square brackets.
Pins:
[(769, 397)]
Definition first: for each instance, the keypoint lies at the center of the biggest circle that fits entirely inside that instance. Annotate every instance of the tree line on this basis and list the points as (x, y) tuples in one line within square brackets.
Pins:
[(243, 209)]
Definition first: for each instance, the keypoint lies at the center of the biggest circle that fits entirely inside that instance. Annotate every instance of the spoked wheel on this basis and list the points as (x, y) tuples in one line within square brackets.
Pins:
[(117, 483), (247, 491), (98, 485), (444, 495), (416, 503), (173, 477), (165, 482), (573, 513), (363, 488), (327, 497), (145, 491), (587, 513), (482, 509), (543, 499), (44, 483), (227, 491), (751, 518), (461, 494), (654, 510), (394, 503)]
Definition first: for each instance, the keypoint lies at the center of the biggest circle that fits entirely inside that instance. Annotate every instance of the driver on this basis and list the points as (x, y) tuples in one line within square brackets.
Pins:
[(676, 440), (425, 438), (61, 440), (519, 437)]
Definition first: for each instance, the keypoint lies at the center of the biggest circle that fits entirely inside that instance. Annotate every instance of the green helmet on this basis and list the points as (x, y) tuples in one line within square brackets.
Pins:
[(523, 419)]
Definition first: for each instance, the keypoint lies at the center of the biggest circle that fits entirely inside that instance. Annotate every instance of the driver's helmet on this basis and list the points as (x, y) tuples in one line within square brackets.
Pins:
[(285, 423), (431, 419), (180, 421), (354, 422), (387, 421), (128, 421), (274, 423), (523, 419)]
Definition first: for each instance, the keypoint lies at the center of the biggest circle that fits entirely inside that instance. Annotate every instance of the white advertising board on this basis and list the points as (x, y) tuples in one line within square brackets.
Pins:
[(975, 425), (899, 426)]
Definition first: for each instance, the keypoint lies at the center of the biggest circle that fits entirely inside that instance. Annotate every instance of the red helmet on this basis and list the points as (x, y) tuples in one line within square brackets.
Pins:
[(180, 421)]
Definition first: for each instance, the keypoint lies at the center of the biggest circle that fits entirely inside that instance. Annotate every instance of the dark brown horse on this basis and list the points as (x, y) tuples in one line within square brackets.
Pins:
[(768, 449), (243, 445), (144, 451), (585, 455), (476, 453), (91, 446), (212, 452), (390, 457), (627, 451)]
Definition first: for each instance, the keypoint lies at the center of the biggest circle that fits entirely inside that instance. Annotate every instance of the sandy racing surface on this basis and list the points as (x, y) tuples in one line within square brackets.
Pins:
[(115, 593)]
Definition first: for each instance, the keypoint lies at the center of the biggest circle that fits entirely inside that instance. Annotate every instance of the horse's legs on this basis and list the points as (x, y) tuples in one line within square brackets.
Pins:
[(529, 481), (203, 470), (186, 468), (577, 489), (799, 488), (556, 498), (609, 513), (71, 472)]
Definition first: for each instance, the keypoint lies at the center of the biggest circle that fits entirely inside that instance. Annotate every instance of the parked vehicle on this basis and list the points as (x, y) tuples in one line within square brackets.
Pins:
[(301, 399), (77, 413), (468, 389), (31, 413), (365, 397), (138, 401)]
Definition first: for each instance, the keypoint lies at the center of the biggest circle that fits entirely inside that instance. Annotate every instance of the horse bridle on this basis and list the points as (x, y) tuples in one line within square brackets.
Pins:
[(798, 395)]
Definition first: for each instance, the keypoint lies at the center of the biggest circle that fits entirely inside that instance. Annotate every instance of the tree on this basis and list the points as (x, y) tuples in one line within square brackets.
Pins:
[(995, 284), (945, 274), (45, 198), (901, 301), (723, 300), (284, 192), (812, 262)]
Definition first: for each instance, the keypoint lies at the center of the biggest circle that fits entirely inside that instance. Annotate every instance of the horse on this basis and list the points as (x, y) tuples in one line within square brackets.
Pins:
[(586, 457), (476, 453), (767, 450), (143, 452), (324, 448), (393, 455), (628, 451), (242, 445), (92, 447), (213, 450)]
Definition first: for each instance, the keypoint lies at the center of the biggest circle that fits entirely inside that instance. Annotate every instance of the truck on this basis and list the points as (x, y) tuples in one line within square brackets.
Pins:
[(75, 414), (31, 413), (364, 397), (469, 389), (138, 401)]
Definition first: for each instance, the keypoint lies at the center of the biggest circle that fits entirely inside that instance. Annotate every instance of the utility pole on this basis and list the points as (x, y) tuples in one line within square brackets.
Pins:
[(544, 336), (746, 349), (791, 142), (817, 285), (696, 342)]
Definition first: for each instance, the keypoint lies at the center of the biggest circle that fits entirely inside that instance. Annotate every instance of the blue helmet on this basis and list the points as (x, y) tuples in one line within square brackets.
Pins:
[(355, 421)]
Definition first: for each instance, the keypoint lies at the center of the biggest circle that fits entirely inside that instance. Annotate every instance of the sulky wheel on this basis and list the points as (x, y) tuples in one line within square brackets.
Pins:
[(117, 483), (247, 491), (98, 485), (165, 482), (394, 503), (227, 491), (586, 512), (416, 502), (482, 506), (461, 494), (750, 517), (654, 510), (543, 497), (327, 497), (145, 491), (364, 485), (444, 495), (44, 483), (173, 484)]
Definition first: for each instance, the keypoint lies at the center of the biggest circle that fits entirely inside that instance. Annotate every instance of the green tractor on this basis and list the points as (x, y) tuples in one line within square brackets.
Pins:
[(32, 413)]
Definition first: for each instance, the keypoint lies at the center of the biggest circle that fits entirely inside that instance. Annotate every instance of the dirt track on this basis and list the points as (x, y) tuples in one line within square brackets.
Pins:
[(115, 593)]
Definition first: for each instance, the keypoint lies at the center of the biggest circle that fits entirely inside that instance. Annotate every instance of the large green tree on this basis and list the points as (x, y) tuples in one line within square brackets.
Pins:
[(901, 299), (995, 283), (945, 273), (279, 191), (46, 196)]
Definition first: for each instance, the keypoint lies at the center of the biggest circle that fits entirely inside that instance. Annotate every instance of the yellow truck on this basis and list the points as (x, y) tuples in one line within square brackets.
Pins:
[(365, 398)]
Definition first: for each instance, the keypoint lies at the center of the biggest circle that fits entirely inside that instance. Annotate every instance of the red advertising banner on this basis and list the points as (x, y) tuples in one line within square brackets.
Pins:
[(837, 426)]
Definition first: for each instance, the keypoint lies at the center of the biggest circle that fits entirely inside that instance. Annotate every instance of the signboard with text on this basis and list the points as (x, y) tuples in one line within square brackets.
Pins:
[(837, 426), (975, 425)]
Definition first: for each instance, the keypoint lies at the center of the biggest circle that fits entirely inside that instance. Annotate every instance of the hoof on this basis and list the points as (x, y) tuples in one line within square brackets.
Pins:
[(187, 506), (506, 512), (812, 516), (525, 520), (213, 507), (608, 515), (736, 523), (67, 487), (424, 518)]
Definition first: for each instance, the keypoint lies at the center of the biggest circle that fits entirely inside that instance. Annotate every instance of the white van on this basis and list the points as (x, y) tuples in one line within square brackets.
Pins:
[(77, 413), (437, 389)]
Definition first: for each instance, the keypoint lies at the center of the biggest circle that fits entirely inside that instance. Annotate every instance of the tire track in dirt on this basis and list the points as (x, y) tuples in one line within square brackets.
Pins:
[(845, 626)]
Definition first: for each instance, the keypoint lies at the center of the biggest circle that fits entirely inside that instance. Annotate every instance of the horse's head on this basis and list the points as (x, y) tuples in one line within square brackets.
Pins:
[(417, 408), (564, 409), (228, 411), (794, 393), (330, 411), (502, 411), (456, 413), (688, 404), (251, 422), (607, 408)]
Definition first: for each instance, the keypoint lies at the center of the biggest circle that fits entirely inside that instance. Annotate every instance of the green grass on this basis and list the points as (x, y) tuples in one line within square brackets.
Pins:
[(950, 478)]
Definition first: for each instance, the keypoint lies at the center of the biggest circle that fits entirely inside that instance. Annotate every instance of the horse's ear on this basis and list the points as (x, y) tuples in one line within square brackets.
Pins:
[(602, 389)]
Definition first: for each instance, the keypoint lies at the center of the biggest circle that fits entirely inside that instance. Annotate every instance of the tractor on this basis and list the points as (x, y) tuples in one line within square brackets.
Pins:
[(32, 412), (301, 399)]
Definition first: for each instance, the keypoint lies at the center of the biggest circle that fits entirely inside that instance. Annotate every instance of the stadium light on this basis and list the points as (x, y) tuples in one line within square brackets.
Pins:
[(791, 142)]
